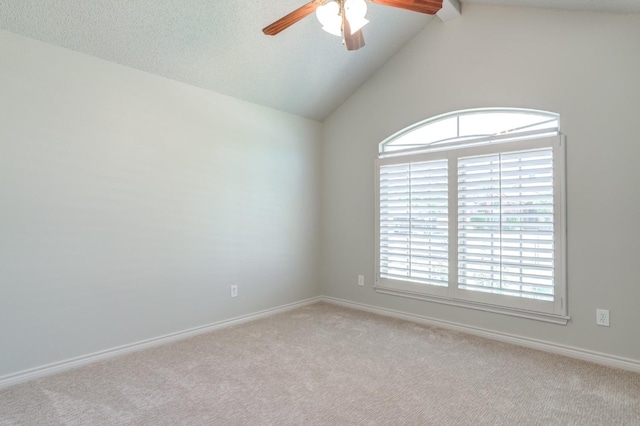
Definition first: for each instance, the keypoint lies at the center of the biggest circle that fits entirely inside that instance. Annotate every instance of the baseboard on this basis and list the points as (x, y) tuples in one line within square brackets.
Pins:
[(57, 367), (569, 351)]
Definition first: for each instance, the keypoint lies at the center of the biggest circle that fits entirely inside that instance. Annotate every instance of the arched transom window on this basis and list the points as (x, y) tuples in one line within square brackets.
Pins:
[(472, 127)]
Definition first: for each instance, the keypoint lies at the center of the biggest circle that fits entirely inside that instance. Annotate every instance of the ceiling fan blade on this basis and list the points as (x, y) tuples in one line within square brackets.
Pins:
[(430, 7), (290, 19), (353, 41)]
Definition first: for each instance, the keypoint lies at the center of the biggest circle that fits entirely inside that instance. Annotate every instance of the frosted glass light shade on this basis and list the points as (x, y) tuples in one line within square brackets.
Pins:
[(355, 11), (329, 16)]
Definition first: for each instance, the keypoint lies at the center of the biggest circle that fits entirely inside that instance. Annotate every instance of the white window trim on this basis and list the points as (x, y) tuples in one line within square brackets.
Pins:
[(557, 314)]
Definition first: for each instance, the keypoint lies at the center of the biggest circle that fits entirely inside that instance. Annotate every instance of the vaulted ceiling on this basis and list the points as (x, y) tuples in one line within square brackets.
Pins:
[(218, 44)]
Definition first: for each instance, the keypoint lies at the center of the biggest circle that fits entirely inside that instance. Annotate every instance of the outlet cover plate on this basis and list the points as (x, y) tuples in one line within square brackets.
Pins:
[(602, 317)]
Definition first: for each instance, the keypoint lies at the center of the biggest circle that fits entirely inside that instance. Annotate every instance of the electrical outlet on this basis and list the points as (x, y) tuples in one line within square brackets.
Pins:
[(234, 291), (360, 280), (602, 317)]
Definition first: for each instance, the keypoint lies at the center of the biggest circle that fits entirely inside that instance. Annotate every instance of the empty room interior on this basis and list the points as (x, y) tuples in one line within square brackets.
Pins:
[(215, 212)]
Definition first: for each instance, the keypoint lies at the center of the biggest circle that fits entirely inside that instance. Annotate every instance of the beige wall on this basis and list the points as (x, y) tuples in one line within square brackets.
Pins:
[(584, 66), (130, 203)]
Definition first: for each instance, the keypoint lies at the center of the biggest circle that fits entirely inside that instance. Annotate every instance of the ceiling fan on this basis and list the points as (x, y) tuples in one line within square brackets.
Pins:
[(347, 17)]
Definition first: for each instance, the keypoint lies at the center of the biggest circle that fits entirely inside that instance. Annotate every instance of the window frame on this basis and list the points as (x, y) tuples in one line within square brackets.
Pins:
[(550, 311)]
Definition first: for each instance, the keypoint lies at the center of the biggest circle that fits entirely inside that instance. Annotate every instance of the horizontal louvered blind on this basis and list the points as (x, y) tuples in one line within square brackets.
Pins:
[(414, 222), (505, 224)]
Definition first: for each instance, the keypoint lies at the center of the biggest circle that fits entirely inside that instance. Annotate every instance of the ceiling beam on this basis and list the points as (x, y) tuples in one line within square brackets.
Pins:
[(451, 9)]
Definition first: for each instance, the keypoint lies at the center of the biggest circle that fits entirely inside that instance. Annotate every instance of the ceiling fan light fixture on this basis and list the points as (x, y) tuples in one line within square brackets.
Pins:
[(355, 11), (346, 17), (329, 16)]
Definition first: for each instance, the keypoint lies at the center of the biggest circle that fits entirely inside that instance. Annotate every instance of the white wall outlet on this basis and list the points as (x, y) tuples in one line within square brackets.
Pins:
[(234, 291), (360, 280), (602, 317)]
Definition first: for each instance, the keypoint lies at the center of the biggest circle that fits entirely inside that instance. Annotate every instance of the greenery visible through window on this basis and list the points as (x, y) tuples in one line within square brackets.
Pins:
[(470, 212)]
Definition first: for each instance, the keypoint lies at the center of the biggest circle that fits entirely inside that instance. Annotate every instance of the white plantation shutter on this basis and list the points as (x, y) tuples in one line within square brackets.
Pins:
[(505, 224), (479, 222), (413, 222)]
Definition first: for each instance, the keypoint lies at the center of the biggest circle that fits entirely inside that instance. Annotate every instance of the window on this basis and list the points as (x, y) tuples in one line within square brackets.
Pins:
[(470, 212)]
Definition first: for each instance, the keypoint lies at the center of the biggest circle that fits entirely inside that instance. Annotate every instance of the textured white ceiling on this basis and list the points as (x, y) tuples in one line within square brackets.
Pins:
[(219, 45)]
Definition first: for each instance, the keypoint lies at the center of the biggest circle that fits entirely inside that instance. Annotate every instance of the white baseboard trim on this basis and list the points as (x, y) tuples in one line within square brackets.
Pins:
[(58, 367), (569, 351)]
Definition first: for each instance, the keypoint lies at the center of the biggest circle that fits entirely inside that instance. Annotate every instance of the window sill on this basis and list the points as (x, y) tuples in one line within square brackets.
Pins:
[(537, 316)]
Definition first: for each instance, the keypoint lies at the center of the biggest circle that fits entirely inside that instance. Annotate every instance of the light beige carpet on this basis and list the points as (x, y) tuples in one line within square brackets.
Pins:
[(325, 365)]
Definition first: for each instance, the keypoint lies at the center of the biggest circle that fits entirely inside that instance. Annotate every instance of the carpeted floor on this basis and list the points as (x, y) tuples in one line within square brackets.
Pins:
[(326, 365)]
